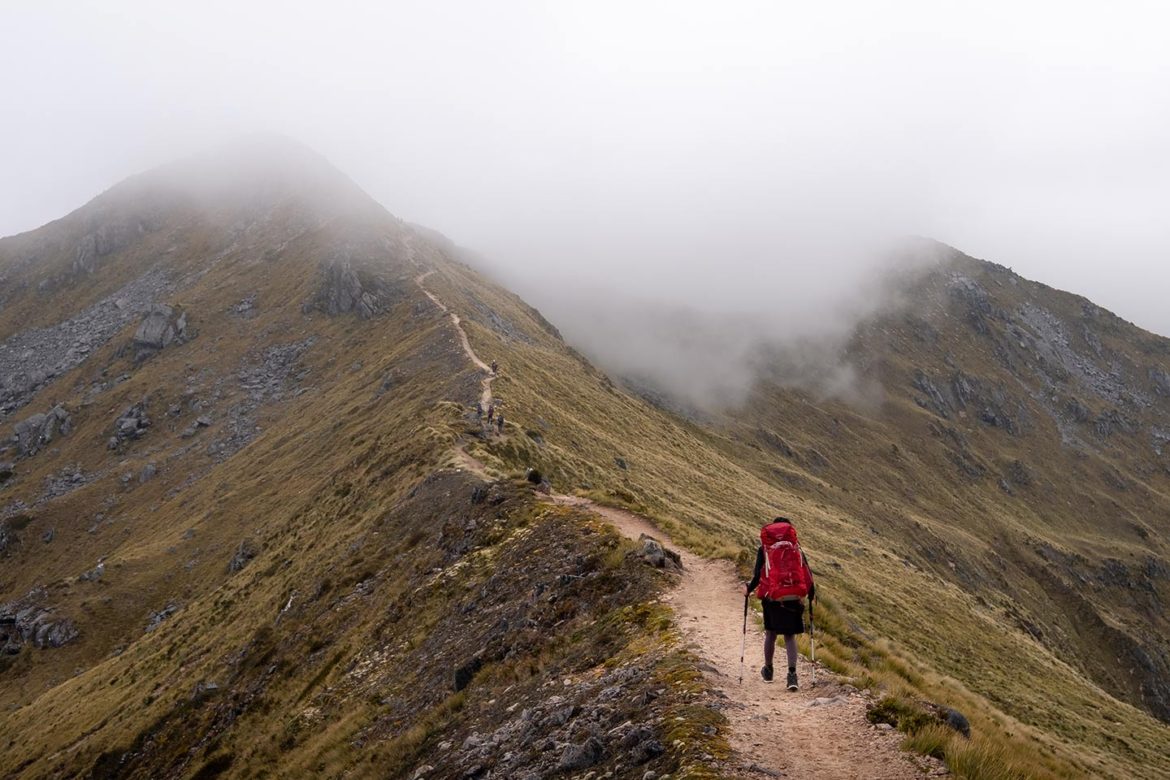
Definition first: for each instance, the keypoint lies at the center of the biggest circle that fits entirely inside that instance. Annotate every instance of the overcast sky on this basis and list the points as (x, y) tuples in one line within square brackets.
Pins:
[(730, 154)]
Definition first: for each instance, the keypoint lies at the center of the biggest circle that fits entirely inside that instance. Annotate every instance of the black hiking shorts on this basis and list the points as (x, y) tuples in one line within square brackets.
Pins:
[(784, 617)]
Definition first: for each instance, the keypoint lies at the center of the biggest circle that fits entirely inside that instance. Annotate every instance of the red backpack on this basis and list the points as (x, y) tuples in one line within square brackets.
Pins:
[(785, 577)]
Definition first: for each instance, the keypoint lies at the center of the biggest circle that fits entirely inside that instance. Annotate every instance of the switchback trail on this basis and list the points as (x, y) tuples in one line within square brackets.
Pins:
[(819, 732)]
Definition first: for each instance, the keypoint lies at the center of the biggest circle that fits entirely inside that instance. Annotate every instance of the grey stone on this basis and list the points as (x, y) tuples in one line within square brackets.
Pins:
[(1161, 381), (244, 554), (957, 721), (156, 329), (35, 431), (158, 618), (149, 471), (6, 471), (581, 756), (94, 574), (656, 555), (132, 424), (161, 327)]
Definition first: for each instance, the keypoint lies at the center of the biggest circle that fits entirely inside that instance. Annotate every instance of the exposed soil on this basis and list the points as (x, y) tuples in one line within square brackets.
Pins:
[(819, 731)]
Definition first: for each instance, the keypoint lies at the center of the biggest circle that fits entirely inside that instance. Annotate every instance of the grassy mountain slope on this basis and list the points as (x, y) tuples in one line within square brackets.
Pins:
[(274, 593), (945, 584), (261, 579)]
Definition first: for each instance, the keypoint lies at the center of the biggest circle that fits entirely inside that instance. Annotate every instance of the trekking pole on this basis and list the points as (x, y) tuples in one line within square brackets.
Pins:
[(812, 640), (743, 641)]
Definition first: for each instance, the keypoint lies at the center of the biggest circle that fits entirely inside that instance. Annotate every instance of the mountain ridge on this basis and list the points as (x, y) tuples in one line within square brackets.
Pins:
[(272, 486)]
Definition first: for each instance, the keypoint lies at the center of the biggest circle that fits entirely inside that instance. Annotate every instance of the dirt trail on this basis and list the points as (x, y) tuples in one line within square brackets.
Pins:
[(817, 732), (485, 396)]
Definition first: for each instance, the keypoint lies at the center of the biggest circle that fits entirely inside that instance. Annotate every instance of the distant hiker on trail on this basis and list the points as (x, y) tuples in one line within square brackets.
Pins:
[(479, 410), (491, 412), (500, 423), (784, 579), (495, 367)]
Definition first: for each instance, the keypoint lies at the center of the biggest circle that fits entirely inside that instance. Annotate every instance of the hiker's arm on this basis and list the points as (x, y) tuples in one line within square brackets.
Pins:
[(755, 574)]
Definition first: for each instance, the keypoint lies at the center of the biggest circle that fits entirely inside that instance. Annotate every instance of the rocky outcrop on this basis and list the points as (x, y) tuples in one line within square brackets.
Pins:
[(1161, 381), (343, 291), (33, 433), (105, 239), (353, 281), (161, 327), (970, 296), (132, 424), (160, 617), (23, 623), (243, 556), (967, 394)]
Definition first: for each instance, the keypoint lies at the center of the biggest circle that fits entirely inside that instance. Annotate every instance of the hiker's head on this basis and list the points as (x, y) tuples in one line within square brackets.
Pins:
[(782, 519)]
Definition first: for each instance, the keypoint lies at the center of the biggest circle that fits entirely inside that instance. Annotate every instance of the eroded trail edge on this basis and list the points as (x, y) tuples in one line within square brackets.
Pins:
[(818, 732)]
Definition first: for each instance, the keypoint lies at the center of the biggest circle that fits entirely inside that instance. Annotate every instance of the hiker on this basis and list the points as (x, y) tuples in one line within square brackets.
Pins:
[(495, 367), (783, 579), (500, 423), (479, 410), (491, 412)]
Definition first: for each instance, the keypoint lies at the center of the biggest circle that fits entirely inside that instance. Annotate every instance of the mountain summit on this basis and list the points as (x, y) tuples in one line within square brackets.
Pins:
[(253, 524)]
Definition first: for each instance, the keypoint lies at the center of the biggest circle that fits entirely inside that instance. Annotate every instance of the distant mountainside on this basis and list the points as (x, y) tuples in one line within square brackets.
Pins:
[(1020, 453), (234, 539)]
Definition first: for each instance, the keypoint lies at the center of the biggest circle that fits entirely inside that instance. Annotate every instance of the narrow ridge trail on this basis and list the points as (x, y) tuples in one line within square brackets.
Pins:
[(485, 396), (819, 732)]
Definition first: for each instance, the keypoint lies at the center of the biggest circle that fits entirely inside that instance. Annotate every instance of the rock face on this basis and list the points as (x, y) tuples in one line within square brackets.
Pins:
[(160, 327), (34, 432), (351, 281), (23, 623), (108, 237), (132, 424), (342, 291)]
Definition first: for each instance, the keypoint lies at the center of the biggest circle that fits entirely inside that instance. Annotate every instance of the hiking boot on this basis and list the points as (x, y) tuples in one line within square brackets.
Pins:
[(766, 673), (792, 686)]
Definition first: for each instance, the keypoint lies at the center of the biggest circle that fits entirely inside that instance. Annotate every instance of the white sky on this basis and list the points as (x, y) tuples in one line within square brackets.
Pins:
[(734, 154)]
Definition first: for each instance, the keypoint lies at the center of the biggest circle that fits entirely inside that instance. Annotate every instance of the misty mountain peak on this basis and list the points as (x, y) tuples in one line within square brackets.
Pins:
[(250, 172)]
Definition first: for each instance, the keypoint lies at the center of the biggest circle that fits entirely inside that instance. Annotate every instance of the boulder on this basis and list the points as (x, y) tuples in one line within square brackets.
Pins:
[(132, 424), (34, 432), (957, 721), (582, 756), (161, 326), (6, 471), (656, 555)]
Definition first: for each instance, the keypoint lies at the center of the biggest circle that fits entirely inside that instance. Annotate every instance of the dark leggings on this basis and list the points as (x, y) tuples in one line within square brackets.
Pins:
[(770, 648)]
